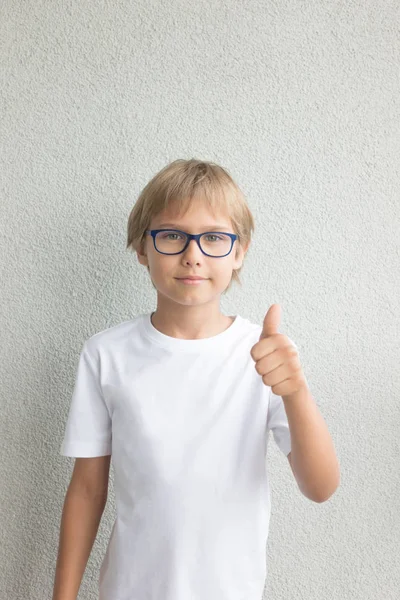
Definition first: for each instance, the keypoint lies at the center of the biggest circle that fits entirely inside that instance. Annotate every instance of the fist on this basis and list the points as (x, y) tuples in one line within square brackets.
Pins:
[(276, 357)]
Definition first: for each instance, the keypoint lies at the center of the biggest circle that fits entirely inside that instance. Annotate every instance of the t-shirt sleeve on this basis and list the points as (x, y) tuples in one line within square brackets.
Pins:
[(277, 422), (88, 427)]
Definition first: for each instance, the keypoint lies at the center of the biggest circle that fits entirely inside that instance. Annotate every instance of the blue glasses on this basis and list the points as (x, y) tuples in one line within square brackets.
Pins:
[(173, 241)]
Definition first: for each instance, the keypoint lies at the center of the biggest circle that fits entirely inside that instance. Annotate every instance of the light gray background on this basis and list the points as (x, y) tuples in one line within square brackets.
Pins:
[(300, 102)]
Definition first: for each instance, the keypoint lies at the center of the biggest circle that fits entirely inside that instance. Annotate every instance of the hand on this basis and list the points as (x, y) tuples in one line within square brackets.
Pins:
[(276, 357)]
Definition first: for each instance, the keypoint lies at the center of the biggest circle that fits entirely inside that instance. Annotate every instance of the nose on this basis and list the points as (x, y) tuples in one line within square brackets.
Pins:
[(189, 248)]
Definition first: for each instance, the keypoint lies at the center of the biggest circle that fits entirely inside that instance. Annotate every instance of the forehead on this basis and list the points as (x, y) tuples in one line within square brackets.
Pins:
[(198, 215)]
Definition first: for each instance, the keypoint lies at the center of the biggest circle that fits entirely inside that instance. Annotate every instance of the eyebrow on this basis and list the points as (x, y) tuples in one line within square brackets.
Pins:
[(206, 227)]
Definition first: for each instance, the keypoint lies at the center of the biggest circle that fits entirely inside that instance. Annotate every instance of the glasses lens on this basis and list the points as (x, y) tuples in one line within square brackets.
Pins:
[(172, 242), (216, 244)]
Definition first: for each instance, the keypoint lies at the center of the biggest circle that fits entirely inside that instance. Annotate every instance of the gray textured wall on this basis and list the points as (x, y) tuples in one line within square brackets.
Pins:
[(300, 101)]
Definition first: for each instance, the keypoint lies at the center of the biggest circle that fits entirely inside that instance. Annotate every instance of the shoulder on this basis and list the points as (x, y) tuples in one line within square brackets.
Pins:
[(253, 330), (256, 330), (111, 337)]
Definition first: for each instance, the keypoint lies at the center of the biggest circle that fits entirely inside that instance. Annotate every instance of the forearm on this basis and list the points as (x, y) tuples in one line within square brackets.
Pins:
[(313, 456), (79, 525)]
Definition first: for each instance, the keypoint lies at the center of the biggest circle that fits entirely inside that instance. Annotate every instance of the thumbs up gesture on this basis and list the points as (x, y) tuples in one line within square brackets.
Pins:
[(276, 357)]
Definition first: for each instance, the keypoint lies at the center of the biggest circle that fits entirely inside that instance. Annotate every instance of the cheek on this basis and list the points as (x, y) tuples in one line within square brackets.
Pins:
[(228, 265), (223, 272)]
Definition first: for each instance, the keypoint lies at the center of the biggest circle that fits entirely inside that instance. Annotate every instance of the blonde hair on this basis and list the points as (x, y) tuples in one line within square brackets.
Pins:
[(181, 182)]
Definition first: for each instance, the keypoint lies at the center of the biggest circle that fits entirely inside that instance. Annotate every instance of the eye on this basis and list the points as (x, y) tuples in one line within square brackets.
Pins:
[(217, 237), (167, 235)]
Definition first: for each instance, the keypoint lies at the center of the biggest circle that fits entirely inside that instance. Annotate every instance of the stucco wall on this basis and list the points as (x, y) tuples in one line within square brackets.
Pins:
[(300, 101)]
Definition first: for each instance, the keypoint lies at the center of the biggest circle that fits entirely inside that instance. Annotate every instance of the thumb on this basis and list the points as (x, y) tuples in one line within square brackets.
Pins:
[(272, 321)]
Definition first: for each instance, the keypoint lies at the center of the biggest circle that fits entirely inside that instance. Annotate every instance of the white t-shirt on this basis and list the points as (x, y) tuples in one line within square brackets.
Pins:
[(187, 424)]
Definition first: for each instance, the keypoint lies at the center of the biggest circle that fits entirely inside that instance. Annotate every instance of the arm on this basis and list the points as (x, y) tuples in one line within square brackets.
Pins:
[(84, 504), (312, 458)]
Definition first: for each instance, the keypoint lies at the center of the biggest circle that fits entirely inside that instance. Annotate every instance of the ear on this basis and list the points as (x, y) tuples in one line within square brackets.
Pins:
[(240, 254), (245, 248), (141, 256)]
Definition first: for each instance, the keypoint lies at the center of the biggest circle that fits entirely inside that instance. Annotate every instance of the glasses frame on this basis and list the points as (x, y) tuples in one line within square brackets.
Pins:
[(191, 236)]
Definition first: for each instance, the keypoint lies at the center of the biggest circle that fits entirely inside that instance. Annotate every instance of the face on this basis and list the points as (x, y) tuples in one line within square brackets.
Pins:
[(166, 269)]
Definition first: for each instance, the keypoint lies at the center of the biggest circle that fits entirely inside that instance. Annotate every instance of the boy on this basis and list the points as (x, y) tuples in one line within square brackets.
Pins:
[(184, 398)]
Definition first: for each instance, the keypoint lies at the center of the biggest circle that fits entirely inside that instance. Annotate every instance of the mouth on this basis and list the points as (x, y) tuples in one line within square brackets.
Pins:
[(189, 281)]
